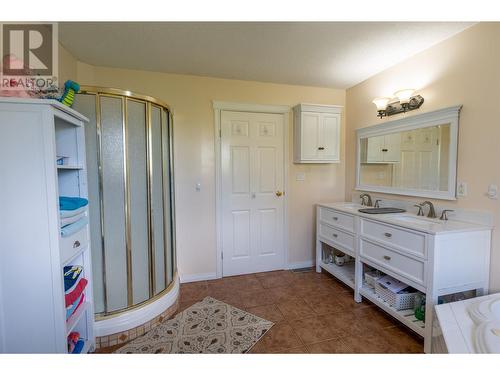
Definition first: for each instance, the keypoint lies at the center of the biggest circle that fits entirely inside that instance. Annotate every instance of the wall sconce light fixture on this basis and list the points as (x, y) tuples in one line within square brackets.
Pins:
[(405, 101)]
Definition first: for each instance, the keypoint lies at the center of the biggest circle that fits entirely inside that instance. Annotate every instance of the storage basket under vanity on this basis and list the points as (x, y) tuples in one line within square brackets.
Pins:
[(403, 300)]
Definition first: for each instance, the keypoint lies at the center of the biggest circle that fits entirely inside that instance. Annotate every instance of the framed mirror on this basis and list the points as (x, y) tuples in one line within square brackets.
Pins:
[(415, 155)]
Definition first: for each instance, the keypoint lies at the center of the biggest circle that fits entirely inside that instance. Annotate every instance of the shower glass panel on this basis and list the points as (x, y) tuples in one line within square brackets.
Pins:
[(157, 200), (138, 196), (129, 163)]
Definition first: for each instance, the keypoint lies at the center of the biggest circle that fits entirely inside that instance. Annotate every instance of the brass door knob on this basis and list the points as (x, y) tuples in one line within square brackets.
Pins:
[(279, 193)]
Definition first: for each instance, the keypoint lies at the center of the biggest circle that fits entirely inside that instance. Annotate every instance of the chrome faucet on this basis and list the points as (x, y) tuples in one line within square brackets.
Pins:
[(420, 211), (368, 200), (432, 212), (444, 214)]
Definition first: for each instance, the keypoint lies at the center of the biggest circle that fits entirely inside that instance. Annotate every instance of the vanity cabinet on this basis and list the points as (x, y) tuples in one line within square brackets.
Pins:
[(434, 258), (316, 133)]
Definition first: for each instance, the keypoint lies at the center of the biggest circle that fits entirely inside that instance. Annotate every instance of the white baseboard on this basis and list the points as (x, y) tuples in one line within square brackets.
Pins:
[(198, 277), (307, 263)]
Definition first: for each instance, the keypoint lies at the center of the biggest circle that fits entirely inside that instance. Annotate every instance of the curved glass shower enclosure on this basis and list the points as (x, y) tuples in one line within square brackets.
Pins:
[(130, 186)]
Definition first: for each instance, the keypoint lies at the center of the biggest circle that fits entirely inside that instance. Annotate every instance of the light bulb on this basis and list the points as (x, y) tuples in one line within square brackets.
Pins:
[(381, 103), (404, 95)]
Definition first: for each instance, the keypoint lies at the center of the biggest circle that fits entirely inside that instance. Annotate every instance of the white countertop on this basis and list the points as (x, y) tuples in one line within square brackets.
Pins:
[(409, 220)]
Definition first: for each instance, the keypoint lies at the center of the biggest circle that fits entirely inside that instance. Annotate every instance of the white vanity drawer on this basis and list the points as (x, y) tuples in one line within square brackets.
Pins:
[(72, 244), (337, 236), (404, 240), (337, 219), (403, 265)]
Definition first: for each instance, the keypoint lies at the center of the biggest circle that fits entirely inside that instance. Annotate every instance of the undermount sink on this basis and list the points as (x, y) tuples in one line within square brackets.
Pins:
[(415, 219), (381, 210), (351, 205)]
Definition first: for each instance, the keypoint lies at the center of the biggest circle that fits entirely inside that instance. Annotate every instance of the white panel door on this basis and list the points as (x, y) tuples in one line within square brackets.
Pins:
[(329, 139), (310, 135), (252, 178)]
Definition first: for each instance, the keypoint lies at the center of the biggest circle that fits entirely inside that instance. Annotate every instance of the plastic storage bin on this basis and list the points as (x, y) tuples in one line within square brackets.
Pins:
[(402, 300), (371, 277)]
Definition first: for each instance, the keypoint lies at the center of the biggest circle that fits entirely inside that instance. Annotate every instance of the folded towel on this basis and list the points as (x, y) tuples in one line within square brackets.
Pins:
[(68, 230), (72, 219), (71, 310), (72, 296), (73, 338), (72, 203), (71, 213), (78, 347), (72, 275)]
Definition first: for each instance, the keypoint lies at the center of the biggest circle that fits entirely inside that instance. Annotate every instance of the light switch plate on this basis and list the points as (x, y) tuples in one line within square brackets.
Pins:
[(300, 176), (462, 189)]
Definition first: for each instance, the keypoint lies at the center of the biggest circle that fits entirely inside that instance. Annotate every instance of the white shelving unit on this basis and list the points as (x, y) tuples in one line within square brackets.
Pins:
[(33, 133)]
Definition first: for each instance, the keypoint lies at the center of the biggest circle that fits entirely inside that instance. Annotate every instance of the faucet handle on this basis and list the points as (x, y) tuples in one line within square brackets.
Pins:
[(377, 205), (420, 210), (444, 215)]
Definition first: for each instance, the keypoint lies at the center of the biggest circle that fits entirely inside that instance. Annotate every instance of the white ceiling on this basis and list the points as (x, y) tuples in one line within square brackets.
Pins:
[(328, 54)]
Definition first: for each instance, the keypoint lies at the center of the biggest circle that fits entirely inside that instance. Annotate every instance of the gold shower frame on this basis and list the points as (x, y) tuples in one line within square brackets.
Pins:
[(149, 103)]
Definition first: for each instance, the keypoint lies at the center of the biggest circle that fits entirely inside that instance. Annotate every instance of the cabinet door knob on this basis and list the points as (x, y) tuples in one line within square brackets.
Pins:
[(384, 150), (387, 257), (388, 235), (279, 193), (76, 244), (321, 148)]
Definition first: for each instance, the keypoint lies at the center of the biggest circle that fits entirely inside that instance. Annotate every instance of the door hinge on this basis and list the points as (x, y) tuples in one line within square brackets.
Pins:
[(220, 133), (222, 256)]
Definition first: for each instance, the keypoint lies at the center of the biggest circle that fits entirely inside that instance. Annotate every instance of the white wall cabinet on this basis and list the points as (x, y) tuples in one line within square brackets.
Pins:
[(384, 149), (32, 251), (317, 133)]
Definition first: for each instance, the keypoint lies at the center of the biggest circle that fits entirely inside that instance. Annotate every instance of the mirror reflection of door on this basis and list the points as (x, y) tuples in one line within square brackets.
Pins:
[(414, 159)]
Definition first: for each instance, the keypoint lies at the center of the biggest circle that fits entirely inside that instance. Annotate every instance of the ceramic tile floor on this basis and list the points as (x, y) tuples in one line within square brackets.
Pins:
[(313, 313)]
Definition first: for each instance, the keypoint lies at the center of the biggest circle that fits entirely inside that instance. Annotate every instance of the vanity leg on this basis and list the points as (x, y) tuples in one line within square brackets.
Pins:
[(358, 279), (431, 299), (318, 256)]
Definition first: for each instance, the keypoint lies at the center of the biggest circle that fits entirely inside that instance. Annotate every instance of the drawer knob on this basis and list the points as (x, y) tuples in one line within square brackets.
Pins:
[(335, 235), (388, 235), (387, 257), (335, 218), (76, 244)]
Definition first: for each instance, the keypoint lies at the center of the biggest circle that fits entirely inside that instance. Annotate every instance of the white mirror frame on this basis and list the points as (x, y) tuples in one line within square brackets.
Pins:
[(440, 117)]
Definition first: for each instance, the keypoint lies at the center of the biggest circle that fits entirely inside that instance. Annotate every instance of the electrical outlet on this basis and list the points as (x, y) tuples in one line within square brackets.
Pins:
[(462, 189), (492, 192)]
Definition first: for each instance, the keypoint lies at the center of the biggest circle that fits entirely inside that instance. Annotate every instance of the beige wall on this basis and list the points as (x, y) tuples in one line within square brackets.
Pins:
[(191, 97), (464, 69), (67, 66)]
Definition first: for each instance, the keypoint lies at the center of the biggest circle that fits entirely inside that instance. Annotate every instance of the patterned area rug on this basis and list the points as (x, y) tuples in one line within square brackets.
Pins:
[(209, 326)]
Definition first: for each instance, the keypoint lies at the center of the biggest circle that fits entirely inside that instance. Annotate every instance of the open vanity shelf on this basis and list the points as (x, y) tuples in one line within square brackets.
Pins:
[(344, 273), (433, 259)]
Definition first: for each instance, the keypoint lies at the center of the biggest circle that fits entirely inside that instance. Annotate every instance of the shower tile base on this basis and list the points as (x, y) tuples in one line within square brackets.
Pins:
[(120, 338)]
